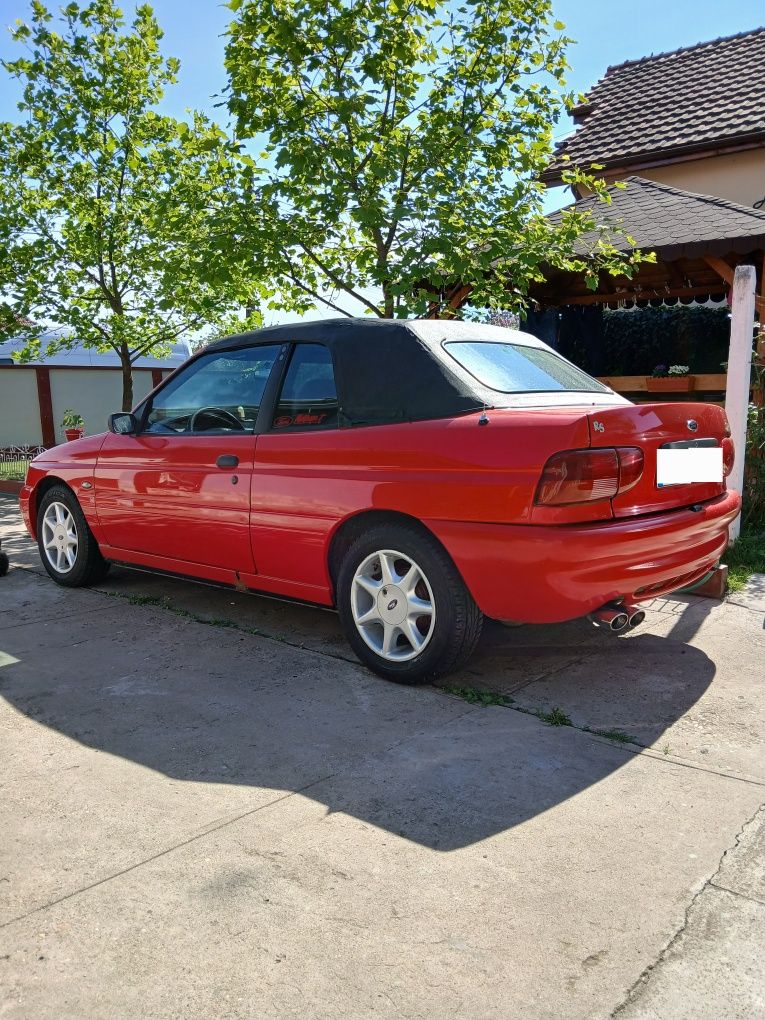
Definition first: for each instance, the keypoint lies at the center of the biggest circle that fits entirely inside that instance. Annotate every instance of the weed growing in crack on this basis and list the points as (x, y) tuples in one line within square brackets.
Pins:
[(475, 697), (618, 735), (143, 600), (557, 717)]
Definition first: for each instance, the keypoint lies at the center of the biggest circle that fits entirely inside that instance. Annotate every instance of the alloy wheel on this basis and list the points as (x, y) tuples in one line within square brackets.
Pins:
[(59, 537), (392, 605)]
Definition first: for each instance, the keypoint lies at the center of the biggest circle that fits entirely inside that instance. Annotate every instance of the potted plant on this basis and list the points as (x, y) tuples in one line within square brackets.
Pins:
[(670, 379), (73, 424)]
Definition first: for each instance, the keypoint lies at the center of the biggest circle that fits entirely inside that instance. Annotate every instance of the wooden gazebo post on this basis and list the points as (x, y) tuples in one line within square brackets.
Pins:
[(739, 372)]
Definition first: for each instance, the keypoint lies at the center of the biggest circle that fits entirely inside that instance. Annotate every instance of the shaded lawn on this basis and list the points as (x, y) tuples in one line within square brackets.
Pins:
[(14, 470), (744, 558)]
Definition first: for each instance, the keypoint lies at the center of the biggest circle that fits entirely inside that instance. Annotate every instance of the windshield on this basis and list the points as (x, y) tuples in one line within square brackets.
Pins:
[(513, 368)]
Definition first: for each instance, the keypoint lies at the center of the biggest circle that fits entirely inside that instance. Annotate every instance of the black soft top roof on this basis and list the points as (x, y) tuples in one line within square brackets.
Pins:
[(384, 371)]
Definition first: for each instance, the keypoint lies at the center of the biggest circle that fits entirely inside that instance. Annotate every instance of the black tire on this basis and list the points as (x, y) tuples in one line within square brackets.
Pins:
[(89, 565), (457, 621)]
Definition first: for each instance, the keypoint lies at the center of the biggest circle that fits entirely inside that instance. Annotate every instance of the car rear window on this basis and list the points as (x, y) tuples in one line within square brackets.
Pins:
[(514, 368)]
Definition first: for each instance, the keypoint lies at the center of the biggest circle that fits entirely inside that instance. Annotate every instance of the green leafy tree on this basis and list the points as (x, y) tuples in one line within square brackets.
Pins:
[(404, 141), (104, 201)]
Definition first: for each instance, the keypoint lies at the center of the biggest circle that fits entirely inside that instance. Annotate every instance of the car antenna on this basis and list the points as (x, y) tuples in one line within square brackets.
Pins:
[(484, 419)]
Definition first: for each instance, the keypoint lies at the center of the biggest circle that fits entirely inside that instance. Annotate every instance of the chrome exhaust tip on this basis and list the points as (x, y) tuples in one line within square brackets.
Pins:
[(610, 618), (636, 618)]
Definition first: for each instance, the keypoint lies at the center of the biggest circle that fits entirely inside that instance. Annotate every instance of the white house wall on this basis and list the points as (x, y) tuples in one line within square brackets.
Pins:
[(19, 407), (94, 394)]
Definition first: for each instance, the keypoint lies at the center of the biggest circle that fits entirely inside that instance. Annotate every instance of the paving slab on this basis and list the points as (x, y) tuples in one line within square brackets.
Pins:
[(752, 596), (300, 910), (742, 869), (693, 689), (205, 820), (194, 704), (712, 968)]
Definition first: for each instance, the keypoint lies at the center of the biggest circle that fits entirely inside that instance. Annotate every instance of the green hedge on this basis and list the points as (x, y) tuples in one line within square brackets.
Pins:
[(636, 341)]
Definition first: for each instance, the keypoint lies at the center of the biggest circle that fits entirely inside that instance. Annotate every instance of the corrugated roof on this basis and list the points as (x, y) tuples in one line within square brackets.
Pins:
[(78, 356), (677, 223), (705, 96)]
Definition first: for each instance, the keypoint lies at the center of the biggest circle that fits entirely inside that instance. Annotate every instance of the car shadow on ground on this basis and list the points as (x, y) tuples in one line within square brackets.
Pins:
[(217, 705)]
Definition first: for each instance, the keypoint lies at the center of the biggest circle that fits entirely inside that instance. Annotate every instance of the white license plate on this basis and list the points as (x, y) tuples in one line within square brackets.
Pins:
[(683, 467)]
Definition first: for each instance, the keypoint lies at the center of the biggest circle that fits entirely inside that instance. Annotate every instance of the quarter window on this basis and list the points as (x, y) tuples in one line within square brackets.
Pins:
[(219, 392), (308, 398)]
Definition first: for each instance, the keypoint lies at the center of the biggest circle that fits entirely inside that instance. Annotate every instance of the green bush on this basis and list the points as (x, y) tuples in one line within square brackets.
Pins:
[(638, 340), (753, 510)]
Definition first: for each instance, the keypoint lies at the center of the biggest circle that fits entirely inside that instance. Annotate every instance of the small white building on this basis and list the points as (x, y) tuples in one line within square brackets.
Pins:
[(34, 396)]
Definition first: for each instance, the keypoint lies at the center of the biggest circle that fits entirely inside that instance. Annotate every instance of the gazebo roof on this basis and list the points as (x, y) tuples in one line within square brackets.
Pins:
[(697, 239), (671, 105), (672, 222)]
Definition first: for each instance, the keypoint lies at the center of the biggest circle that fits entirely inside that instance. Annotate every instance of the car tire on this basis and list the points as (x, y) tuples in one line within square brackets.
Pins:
[(413, 631), (68, 550)]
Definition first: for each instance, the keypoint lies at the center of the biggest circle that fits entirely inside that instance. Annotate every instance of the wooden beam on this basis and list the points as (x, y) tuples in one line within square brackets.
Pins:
[(624, 295), (705, 382), (673, 272), (721, 267), (454, 301), (47, 425)]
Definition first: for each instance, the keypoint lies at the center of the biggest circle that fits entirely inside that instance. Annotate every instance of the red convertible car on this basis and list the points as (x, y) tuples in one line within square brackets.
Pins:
[(416, 475)]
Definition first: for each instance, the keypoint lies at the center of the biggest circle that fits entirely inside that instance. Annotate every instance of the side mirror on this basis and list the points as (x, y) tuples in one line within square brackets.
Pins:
[(123, 423)]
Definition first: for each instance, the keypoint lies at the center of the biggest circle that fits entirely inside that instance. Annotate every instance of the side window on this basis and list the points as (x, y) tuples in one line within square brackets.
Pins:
[(308, 397), (219, 392)]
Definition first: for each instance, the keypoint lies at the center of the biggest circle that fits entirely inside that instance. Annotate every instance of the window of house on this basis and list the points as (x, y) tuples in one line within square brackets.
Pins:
[(308, 398)]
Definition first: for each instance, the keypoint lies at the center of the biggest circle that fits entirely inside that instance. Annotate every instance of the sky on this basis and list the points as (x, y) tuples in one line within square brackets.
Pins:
[(606, 32)]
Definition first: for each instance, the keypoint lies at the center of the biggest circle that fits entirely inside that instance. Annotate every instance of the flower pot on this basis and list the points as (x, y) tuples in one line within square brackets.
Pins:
[(670, 383), (75, 433)]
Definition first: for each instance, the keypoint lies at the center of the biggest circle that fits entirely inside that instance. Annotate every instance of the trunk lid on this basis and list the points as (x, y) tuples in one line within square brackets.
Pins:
[(649, 427)]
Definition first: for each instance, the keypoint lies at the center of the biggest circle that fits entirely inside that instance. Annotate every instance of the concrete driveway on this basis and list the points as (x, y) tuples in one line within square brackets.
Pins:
[(209, 809)]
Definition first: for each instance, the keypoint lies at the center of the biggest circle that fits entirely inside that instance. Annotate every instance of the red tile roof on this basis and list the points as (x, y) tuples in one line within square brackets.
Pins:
[(702, 97)]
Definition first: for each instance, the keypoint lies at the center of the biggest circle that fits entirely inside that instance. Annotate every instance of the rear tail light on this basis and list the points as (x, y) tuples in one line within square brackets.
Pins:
[(586, 476), (630, 467), (729, 455)]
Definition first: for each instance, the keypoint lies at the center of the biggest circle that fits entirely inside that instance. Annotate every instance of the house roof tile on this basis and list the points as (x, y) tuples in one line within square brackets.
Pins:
[(705, 96)]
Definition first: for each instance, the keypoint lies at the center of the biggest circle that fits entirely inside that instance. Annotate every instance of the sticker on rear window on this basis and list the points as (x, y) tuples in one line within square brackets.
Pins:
[(684, 467)]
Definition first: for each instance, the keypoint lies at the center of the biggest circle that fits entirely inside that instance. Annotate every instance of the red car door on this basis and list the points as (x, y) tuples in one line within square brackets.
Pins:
[(294, 502), (179, 489)]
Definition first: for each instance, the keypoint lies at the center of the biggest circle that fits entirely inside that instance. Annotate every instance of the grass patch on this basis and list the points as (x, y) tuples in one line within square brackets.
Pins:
[(617, 735), (744, 558), (557, 717), (144, 600), (13, 470), (475, 697), (166, 603)]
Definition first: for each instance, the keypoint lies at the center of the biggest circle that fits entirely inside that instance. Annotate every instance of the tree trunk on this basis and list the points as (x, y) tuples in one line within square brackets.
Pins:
[(389, 306), (127, 379)]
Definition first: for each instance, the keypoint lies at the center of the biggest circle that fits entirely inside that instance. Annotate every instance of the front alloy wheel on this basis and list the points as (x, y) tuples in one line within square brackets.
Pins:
[(59, 537), (68, 549)]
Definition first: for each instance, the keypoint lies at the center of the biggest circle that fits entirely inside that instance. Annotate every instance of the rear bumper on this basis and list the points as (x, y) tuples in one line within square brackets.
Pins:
[(550, 574)]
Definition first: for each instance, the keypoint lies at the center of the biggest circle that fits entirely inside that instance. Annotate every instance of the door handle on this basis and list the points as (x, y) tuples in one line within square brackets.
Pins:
[(227, 460)]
